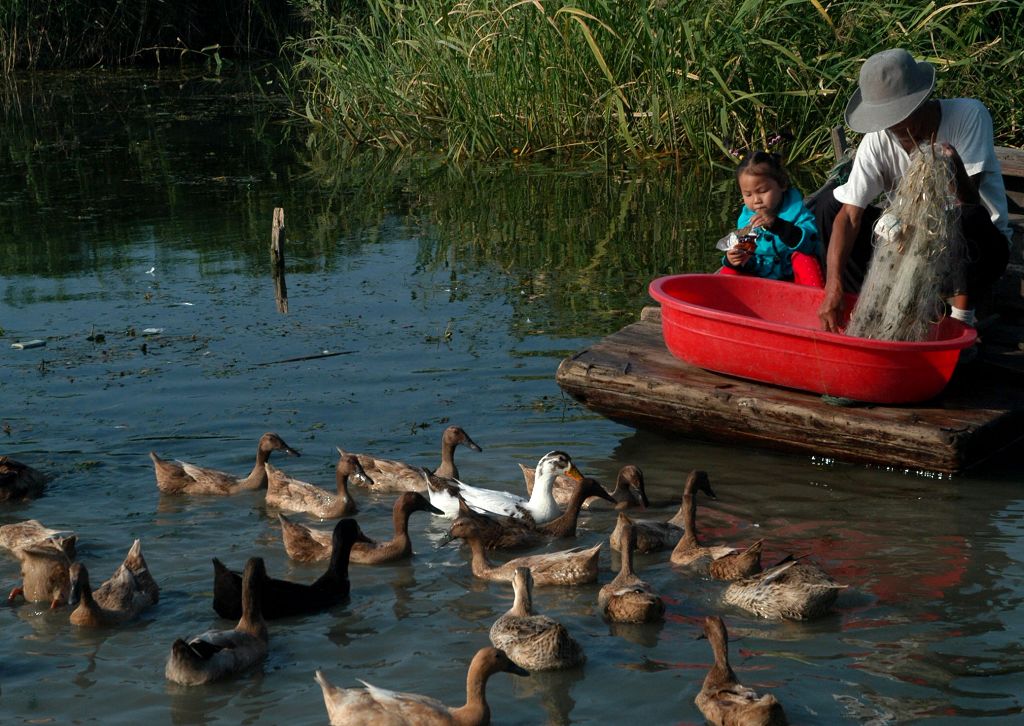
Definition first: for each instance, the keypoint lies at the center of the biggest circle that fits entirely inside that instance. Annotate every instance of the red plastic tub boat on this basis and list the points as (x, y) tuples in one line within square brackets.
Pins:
[(769, 331)]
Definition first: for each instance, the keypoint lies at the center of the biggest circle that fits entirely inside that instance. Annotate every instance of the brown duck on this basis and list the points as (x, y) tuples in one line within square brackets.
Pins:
[(576, 566), (19, 482), (306, 544), (397, 476), (217, 654), (373, 705), (31, 532), (653, 536), (795, 589), (722, 700), (293, 495), (627, 598), (532, 641), (689, 552), (127, 593), (178, 477), (45, 574)]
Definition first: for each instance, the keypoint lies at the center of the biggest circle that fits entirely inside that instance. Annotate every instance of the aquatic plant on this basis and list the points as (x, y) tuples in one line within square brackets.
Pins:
[(599, 78)]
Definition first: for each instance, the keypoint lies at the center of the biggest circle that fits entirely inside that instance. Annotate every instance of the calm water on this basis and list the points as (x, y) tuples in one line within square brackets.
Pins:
[(143, 202)]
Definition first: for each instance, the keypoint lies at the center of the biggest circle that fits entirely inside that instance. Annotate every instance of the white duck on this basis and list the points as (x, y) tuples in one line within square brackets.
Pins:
[(541, 506)]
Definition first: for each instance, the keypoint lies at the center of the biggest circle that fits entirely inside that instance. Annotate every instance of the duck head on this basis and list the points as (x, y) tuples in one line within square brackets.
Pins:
[(348, 467), (633, 479), (454, 435), (554, 463), (698, 481), (272, 442)]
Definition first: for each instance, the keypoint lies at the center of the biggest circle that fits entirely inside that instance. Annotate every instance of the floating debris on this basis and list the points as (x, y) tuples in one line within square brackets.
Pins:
[(28, 344)]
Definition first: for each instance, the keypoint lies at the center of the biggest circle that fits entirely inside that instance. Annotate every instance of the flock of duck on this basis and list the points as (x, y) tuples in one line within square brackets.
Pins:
[(486, 520)]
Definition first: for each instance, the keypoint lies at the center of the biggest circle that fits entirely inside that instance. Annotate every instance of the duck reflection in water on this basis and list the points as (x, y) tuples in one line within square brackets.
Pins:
[(554, 689)]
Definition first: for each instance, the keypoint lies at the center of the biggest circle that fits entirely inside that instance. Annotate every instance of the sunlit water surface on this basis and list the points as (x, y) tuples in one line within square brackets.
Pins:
[(146, 203)]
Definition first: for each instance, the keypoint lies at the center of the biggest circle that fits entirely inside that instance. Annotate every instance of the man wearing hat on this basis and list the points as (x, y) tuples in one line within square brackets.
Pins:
[(893, 108)]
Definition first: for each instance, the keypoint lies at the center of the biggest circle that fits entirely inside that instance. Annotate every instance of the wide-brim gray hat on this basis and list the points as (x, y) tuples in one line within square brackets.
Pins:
[(892, 86)]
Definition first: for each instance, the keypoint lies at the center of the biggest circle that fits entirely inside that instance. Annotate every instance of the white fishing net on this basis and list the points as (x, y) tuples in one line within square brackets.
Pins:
[(918, 257)]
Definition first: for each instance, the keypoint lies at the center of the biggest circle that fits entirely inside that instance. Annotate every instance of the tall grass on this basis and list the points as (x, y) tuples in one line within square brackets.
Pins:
[(480, 78)]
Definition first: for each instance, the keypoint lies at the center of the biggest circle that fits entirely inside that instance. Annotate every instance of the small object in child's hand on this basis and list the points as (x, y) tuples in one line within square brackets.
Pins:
[(743, 239), (747, 243), (28, 344)]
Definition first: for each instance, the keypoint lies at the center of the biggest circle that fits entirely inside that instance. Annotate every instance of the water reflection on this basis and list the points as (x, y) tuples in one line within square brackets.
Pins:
[(553, 689)]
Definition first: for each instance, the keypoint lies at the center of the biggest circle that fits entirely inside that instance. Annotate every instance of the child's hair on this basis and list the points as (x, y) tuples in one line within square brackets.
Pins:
[(764, 163)]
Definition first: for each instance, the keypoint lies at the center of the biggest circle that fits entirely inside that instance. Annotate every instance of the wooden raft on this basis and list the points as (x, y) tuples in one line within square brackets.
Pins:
[(631, 377)]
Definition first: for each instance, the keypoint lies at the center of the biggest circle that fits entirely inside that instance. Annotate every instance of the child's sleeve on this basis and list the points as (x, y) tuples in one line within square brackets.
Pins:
[(800, 235)]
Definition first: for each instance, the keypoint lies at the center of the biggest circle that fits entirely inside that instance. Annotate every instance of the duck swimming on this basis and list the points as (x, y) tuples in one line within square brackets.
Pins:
[(629, 492), (312, 545), (217, 654), (689, 552), (576, 566), (627, 598), (541, 505), (735, 565), (285, 492), (508, 533), (372, 705), (178, 477), (652, 536), (534, 642), (397, 476), (19, 482), (722, 700), (19, 535), (792, 590), (281, 598), (127, 593), (45, 574)]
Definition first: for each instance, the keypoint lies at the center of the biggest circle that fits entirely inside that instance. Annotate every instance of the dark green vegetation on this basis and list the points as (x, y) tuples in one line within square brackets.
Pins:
[(82, 33), (629, 79), (599, 78)]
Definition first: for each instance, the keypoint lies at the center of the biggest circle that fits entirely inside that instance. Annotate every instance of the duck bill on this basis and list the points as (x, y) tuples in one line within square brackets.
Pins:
[(472, 445), (573, 473), (603, 494), (641, 496), (445, 539), (516, 670)]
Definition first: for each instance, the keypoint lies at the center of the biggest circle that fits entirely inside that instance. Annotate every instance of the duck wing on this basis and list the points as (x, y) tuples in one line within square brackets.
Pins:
[(208, 480), (492, 501), (295, 495)]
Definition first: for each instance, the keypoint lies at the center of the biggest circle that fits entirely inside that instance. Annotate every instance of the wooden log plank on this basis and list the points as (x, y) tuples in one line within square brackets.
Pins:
[(630, 376)]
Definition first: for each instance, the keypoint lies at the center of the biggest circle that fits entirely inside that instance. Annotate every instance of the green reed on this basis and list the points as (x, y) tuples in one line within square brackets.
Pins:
[(484, 79)]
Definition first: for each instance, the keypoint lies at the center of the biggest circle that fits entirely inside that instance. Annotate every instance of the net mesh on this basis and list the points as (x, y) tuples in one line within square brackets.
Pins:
[(918, 256)]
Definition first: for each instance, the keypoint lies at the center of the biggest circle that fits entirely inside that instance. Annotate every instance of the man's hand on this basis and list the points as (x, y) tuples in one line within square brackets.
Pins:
[(830, 312)]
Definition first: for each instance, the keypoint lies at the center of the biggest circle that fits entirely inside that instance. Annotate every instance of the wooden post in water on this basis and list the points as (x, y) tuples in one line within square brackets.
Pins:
[(277, 260)]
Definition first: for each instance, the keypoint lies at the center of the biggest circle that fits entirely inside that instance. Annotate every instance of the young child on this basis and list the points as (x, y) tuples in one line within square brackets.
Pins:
[(786, 244)]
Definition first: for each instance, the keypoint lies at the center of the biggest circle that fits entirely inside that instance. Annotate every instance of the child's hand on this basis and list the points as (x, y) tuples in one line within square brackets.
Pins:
[(762, 219), (737, 257)]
